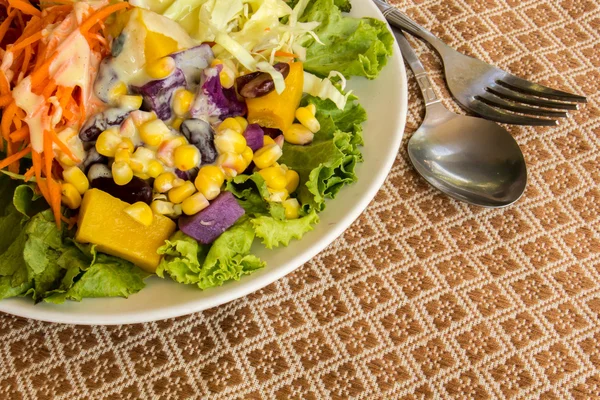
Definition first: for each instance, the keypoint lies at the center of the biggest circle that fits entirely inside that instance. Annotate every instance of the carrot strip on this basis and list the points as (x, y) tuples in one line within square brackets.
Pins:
[(26, 60), (7, 117), (26, 42), (49, 89), (65, 96), (6, 24), (26, 8), (17, 121), (5, 100), (63, 147), (285, 54), (29, 174), (20, 134), (15, 157), (100, 15), (4, 85), (41, 73)]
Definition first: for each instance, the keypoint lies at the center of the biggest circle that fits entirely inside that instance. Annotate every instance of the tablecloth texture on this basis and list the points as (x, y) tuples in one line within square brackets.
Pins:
[(422, 297)]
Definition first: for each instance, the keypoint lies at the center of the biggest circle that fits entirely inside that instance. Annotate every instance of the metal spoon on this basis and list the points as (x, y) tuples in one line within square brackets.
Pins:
[(469, 159)]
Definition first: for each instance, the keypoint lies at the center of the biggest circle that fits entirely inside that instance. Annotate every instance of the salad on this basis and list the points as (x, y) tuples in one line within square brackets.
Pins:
[(166, 136)]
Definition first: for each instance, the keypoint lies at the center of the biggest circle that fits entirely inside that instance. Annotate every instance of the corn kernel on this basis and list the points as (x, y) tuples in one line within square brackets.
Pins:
[(292, 208), (232, 161), (176, 124), (128, 128), (155, 168), (140, 117), (179, 194), (278, 195), (308, 119), (141, 175), (166, 208), (293, 180), (267, 156), (141, 212), (298, 134), (230, 123), (153, 132), (122, 155), (182, 101), (130, 102), (243, 123), (166, 150), (267, 140), (274, 177), (160, 68), (118, 90), (247, 154), (108, 142), (230, 141), (140, 160), (194, 204), (70, 196), (186, 157), (230, 173), (122, 173), (71, 139), (165, 182), (209, 181), (228, 73), (312, 109), (76, 177)]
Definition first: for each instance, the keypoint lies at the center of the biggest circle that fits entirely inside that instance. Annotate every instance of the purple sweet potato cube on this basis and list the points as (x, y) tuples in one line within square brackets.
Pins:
[(255, 137), (210, 223)]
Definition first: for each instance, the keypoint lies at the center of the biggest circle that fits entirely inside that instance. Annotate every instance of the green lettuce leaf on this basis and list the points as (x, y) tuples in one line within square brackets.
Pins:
[(328, 163), (252, 194), (276, 233), (352, 46), (228, 258)]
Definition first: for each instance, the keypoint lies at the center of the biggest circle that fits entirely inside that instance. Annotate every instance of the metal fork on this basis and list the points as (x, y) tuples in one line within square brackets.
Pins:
[(489, 91)]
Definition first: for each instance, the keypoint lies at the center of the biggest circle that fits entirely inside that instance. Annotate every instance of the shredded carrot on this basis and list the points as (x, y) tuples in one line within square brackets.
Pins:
[(5, 100), (63, 147), (100, 15), (15, 157), (20, 134), (4, 84), (6, 24), (26, 8), (42, 72), (26, 60), (26, 42), (284, 54), (29, 174), (7, 117)]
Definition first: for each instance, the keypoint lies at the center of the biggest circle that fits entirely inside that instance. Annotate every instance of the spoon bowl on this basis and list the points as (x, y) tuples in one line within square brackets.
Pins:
[(469, 159)]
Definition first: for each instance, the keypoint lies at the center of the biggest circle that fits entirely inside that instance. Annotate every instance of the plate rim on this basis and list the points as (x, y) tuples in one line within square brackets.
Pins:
[(15, 306)]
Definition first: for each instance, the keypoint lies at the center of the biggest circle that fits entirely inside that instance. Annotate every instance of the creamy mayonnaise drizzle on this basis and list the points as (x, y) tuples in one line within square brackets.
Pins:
[(33, 105)]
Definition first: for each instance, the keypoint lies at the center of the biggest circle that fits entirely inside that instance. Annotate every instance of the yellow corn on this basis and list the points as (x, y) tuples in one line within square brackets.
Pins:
[(176, 124), (155, 168), (293, 180), (243, 123), (166, 181), (267, 140), (122, 173), (232, 161), (77, 178), (247, 154), (140, 117), (70, 196), (230, 141), (231, 123), (292, 208), (128, 128), (267, 156), (122, 155), (118, 90), (278, 195), (227, 74), (130, 102), (186, 157), (182, 101), (274, 177), (312, 109), (308, 119), (126, 144), (162, 207), (298, 134), (70, 138), (141, 212), (160, 68), (194, 204), (179, 194), (141, 159), (108, 142), (153, 132), (209, 181)]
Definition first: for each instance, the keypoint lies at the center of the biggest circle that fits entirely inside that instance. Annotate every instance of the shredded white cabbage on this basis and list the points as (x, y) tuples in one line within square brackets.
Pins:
[(324, 89), (276, 75)]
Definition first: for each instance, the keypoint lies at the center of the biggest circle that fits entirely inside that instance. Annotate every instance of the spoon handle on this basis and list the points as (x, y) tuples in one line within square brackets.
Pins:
[(420, 74)]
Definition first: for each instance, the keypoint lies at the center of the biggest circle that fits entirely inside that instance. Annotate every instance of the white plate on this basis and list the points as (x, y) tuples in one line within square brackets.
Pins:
[(385, 100)]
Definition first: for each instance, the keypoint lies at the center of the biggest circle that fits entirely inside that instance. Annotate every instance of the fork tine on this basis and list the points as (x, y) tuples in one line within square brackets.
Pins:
[(496, 101), (505, 117), (528, 99), (539, 90)]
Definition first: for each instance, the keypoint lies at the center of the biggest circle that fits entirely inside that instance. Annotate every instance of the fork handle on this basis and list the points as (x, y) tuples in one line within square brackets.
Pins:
[(418, 70), (400, 20)]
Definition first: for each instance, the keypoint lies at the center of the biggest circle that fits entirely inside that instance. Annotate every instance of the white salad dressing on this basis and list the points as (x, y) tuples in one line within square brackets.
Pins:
[(32, 104)]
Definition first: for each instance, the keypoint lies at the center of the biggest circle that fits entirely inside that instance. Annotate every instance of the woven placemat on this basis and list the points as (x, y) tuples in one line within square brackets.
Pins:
[(422, 298)]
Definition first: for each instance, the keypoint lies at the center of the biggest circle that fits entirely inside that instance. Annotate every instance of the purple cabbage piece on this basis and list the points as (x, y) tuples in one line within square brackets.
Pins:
[(212, 100), (158, 93), (193, 61), (210, 223), (255, 137)]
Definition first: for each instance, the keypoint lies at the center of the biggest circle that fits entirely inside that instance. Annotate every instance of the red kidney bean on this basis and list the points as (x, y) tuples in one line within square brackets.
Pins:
[(258, 84)]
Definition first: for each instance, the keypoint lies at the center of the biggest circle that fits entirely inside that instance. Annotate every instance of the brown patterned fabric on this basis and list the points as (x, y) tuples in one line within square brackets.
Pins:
[(422, 298)]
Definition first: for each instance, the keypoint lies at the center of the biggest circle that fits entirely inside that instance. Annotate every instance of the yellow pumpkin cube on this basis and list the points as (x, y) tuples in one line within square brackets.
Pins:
[(104, 222), (279, 110)]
